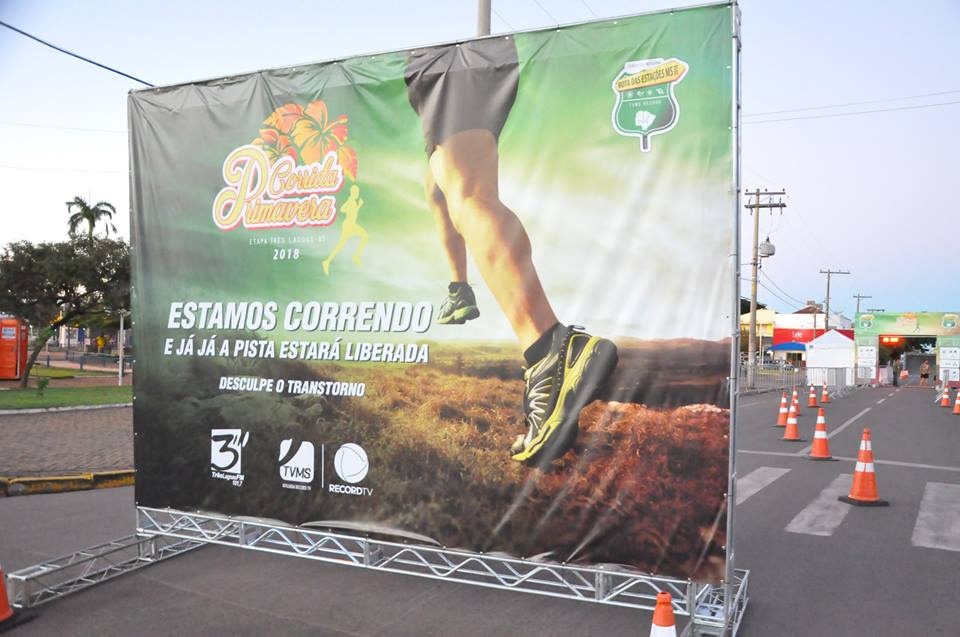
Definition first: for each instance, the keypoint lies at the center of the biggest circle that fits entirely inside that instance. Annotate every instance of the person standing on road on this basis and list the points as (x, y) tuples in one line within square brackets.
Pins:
[(925, 374)]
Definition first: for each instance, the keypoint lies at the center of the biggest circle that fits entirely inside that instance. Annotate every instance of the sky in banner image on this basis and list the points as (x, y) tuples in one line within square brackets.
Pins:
[(849, 106)]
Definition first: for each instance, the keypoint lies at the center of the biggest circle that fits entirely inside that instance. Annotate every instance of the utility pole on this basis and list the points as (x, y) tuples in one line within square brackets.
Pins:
[(829, 273), (861, 296), (483, 17), (755, 208)]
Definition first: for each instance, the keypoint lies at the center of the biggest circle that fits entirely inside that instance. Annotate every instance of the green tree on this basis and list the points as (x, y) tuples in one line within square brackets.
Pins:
[(81, 212), (55, 284)]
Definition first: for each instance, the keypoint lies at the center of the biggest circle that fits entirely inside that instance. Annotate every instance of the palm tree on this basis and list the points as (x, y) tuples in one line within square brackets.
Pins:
[(85, 213)]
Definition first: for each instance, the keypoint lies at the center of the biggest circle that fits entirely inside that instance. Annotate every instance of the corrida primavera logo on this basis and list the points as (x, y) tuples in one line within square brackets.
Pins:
[(290, 174), (646, 103)]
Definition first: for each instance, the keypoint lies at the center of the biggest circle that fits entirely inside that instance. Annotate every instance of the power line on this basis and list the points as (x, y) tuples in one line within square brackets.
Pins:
[(828, 106), (778, 297), (547, 12), (74, 128), (592, 12), (46, 169), (773, 293), (876, 110), (71, 53), (787, 294), (502, 19)]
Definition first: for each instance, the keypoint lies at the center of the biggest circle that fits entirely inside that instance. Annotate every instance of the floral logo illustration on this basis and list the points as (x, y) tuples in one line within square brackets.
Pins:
[(289, 175)]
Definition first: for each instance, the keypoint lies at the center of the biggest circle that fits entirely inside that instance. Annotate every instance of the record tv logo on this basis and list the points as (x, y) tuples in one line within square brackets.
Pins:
[(351, 464), (226, 454), (297, 464)]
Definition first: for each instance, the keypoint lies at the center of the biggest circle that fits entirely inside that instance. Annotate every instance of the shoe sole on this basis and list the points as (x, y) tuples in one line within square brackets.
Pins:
[(461, 316), (579, 386)]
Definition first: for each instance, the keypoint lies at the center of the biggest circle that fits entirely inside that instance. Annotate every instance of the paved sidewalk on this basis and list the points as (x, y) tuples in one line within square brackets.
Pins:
[(66, 442)]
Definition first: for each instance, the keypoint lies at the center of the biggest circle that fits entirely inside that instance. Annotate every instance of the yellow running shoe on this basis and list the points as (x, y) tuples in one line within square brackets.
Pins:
[(557, 387)]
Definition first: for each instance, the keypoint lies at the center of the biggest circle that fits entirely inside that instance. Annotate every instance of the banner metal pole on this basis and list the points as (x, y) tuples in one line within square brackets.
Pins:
[(728, 584)]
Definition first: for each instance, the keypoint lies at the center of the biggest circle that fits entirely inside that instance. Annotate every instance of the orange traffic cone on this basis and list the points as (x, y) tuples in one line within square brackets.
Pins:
[(9, 619), (956, 404), (820, 450), (825, 395), (792, 433), (782, 416), (6, 613), (945, 398), (664, 624), (863, 491), (812, 398), (791, 413)]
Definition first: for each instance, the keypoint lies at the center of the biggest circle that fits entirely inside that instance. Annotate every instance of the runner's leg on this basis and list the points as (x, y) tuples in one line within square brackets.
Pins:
[(465, 166), (344, 237), (364, 237), (453, 246)]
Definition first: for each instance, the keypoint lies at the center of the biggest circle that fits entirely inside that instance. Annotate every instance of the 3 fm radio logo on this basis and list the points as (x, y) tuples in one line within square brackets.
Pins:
[(226, 454), (646, 103), (289, 175)]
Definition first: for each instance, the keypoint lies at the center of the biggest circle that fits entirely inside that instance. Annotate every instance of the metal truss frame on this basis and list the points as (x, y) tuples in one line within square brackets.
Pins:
[(603, 584), (40, 583)]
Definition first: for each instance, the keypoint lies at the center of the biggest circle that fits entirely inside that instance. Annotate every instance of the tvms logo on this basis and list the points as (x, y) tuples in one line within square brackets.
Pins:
[(297, 464), (226, 447), (351, 465)]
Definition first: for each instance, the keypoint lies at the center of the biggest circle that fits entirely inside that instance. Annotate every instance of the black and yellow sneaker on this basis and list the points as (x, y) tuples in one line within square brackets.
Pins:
[(459, 307), (558, 386)]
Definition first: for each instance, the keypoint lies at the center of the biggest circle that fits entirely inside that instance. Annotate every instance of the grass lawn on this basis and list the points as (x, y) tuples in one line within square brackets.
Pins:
[(64, 397), (64, 372)]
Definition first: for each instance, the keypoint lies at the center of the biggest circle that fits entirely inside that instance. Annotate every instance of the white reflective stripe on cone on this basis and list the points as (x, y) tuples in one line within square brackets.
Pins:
[(820, 434), (663, 631), (865, 467), (866, 445)]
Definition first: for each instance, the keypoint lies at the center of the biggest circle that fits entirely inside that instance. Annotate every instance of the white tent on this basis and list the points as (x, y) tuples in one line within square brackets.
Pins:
[(826, 355)]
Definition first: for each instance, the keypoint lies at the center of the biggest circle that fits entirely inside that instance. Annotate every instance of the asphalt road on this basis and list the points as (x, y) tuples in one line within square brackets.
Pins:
[(862, 573), (818, 568)]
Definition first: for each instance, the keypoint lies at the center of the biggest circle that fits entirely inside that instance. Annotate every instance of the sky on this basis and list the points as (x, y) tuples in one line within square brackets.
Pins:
[(867, 192)]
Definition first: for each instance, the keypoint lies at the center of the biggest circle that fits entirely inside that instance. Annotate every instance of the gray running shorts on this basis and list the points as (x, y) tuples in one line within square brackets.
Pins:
[(464, 86)]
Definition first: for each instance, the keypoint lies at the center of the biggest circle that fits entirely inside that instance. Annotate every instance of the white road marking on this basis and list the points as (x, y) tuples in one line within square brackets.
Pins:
[(833, 433), (881, 401), (938, 523), (786, 454), (911, 465), (823, 515), (756, 480)]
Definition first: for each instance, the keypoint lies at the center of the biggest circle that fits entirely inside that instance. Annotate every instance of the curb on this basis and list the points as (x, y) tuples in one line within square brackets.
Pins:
[(60, 484), (46, 410)]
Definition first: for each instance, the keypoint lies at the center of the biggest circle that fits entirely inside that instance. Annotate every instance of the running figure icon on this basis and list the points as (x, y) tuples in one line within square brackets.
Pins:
[(349, 229)]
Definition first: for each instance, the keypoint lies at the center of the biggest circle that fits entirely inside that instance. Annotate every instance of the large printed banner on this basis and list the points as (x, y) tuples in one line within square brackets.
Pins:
[(907, 323), (475, 294)]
